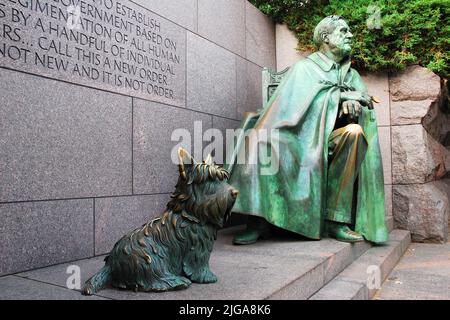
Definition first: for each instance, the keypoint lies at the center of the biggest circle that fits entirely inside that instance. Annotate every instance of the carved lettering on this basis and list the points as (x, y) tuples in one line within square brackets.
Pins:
[(111, 44)]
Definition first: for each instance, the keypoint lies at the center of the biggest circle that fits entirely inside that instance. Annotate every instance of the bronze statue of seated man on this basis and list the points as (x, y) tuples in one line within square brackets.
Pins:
[(329, 177)]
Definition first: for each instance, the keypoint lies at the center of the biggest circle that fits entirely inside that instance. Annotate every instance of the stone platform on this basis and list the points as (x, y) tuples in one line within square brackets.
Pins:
[(285, 267), (423, 273)]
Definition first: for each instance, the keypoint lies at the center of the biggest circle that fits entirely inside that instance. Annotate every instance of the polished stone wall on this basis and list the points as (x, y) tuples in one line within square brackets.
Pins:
[(85, 129)]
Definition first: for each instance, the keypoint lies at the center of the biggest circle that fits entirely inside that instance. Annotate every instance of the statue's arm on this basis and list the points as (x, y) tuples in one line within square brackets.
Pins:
[(351, 101)]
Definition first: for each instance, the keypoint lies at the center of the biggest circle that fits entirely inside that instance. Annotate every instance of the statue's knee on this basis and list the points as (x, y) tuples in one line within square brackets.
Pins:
[(354, 129)]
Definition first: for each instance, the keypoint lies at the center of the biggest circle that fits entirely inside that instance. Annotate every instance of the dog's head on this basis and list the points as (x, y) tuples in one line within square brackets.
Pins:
[(202, 190)]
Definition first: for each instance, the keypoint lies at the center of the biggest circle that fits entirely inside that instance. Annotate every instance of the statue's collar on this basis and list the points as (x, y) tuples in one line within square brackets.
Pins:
[(325, 63)]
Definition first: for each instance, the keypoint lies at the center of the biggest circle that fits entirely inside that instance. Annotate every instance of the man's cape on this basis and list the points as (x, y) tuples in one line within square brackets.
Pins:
[(288, 190)]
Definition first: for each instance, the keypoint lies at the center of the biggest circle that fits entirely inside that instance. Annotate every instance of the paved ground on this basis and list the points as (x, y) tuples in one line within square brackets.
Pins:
[(279, 268), (422, 273)]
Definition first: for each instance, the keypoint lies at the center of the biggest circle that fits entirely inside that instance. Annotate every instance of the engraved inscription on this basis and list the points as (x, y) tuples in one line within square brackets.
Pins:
[(108, 44)]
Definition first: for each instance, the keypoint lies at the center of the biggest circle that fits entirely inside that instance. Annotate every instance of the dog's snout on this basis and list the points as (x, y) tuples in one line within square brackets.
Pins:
[(234, 193)]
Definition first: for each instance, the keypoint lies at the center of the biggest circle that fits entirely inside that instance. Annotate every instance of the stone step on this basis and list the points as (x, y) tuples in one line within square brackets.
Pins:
[(357, 281), (283, 267)]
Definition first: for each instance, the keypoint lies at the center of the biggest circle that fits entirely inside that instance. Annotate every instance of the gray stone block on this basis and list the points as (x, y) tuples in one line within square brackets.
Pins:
[(343, 258), (16, 288), (378, 86), (57, 275), (409, 111), (402, 236), (414, 83), (182, 12), (423, 273), (223, 22), (286, 47), (211, 78), (260, 37), (389, 223), (416, 156), (388, 199), (404, 285), (385, 257), (426, 258), (303, 287), (154, 124), (422, 209), (126, 49), (62, 141), (342, 290), (239, 277), (115, 217), (249, 87), (384, 136), (37, 234)]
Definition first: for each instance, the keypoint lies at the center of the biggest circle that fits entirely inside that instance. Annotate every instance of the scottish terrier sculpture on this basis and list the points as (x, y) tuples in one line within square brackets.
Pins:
[(173, 250)]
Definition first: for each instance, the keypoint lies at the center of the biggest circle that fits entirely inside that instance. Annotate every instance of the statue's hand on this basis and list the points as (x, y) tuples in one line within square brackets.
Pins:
[(352, 108), (362, 97)]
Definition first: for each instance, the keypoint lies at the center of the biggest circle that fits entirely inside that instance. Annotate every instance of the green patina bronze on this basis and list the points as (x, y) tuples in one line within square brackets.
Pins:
[(173, 250), (329, 172)]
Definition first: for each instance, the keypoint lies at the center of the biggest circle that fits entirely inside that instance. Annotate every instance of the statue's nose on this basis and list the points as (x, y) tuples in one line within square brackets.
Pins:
[(234, 193)]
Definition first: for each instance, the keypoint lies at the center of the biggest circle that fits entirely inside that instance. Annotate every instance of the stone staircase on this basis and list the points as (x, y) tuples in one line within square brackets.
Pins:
[(279, 268)]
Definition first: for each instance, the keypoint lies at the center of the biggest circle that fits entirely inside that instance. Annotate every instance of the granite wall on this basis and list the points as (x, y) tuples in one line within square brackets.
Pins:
[(89, 98)]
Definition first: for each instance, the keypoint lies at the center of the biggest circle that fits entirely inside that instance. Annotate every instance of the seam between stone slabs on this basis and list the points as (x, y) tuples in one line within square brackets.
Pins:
[(407, 124), (413, 183), (48, 266), (57, 285), (390, 136), (186, 69), (379, 263), (196, 30), (236, 85), (87, 198), (322, 264), (352, 260), (340, 277), (352, 293), (112, 92), (278, 291), (93, 227), (132, 146)]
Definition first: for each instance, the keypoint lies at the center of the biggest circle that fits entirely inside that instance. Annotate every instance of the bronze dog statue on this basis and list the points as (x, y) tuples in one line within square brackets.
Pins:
[(173, 250)]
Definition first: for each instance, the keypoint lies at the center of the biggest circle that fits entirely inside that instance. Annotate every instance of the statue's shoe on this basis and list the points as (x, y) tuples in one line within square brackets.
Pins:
[(343, 233), (251, 235)]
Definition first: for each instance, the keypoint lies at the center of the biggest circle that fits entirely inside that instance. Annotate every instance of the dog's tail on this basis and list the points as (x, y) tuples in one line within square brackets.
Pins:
[(98, 281)]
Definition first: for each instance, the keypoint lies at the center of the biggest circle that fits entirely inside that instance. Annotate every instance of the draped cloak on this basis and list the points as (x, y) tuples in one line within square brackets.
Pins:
[(303, 111)]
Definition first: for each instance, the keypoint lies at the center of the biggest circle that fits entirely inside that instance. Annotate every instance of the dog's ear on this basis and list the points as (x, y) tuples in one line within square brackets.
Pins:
[(209, 160), (185, 160)]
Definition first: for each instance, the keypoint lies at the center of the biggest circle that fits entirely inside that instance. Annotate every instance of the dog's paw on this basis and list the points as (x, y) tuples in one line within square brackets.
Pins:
[(88, 290), (205, 276), (209, 277)]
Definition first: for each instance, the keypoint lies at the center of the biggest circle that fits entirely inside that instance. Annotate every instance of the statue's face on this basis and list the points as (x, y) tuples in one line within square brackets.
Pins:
[(340, 39)]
